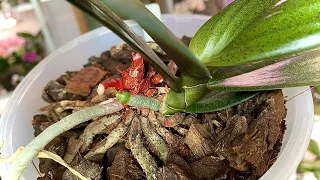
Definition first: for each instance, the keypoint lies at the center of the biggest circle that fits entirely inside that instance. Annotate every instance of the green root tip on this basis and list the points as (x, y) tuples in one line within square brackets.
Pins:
[(123, 97)]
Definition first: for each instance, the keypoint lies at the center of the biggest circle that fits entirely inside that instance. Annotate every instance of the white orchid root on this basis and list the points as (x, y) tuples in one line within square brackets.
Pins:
[(26, 156), (13, 157), (46, 155)]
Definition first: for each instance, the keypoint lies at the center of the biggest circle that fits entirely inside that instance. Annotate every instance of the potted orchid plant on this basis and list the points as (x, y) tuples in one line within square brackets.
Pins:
[(231, 64)]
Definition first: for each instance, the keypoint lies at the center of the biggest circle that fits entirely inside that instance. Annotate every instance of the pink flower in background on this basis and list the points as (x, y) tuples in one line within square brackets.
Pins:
[(188, 6), (200, 6), (3, 53), (30, 57), (10, 45), (16, 41)]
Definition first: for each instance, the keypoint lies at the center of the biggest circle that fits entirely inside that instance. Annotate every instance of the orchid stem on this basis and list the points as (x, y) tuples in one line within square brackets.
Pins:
[(20, 164)]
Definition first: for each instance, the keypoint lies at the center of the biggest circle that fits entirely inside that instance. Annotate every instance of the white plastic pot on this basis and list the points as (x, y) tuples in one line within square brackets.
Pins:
[(16, 129)]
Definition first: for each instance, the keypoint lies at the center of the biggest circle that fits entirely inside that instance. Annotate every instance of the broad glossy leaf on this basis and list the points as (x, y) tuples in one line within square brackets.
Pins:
[(220, 73), (115, 24), (219, 100), (301, 70), (188, 64), (222, 28), (314, 147), (289, 28)]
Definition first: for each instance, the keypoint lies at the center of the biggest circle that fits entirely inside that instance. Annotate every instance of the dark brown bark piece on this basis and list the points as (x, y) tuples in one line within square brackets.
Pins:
[(171, 172), (210, 167), (40, 123), (199, 141), (191, 119), (252, 141), (45, 177), (55, 92), (84, 80), (123, 167), (181, 163), (72, 149), (113, 151), (86, 168), (57, 146), (65, 78)]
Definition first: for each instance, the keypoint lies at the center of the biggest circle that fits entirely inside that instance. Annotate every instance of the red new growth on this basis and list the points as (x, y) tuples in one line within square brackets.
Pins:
[(134, 79)]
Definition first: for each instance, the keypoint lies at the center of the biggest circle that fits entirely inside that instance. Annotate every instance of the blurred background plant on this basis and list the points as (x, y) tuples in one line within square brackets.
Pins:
[(16, 2), (18, 55), (309, 168), (316, 100)]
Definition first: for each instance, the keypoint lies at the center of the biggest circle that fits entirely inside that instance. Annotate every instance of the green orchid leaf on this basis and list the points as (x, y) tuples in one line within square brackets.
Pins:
[(286, 29), (224, 27), (220, 73), (314, 147), (219, 100), (188, 64), (301, 70), (194, 89), (115, 24), (176, 101)]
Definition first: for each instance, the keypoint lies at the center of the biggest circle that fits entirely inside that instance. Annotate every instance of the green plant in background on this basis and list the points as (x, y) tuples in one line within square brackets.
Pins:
[(251, 45), (18, 55), (311, 166)]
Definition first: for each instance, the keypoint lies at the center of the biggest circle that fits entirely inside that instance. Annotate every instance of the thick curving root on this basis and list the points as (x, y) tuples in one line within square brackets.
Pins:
[(33, 148)]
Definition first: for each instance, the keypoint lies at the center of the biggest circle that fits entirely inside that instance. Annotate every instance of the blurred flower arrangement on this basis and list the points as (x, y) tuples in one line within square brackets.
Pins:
[(310, 165), (16, 2), (18, 55), (188, 6)]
